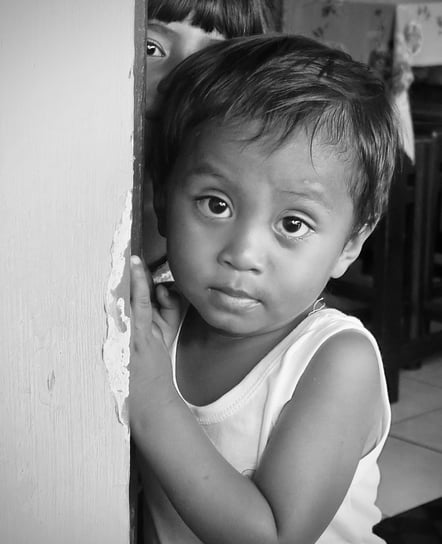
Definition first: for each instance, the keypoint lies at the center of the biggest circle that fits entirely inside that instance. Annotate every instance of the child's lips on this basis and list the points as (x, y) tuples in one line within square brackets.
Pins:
[(236, 299)]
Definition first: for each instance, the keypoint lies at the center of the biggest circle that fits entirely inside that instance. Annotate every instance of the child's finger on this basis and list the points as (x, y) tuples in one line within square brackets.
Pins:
[(169, 301), (140, 295), (166, 299), (169, 310)]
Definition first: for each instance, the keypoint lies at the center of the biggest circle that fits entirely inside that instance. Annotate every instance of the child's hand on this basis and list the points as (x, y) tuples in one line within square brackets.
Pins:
[(154, 326), (163, 309)]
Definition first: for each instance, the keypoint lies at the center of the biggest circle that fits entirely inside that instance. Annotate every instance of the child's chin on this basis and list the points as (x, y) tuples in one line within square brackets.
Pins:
[(233, 325)]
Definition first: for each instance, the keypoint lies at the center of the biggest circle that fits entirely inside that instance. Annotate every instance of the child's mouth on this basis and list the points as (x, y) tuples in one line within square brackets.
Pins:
[(233, 299)]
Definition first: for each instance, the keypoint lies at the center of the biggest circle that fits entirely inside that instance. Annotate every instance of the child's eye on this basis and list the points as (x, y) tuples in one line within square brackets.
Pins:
[(153, 49), (212, 206), (293, 227)]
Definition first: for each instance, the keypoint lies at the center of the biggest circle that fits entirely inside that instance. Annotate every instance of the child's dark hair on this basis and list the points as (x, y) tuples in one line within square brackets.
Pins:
[(281, 84), (232, 18)]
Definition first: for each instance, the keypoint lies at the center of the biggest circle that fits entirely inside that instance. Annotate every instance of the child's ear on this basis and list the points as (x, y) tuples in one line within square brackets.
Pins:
[(159, 203), (351, 251)]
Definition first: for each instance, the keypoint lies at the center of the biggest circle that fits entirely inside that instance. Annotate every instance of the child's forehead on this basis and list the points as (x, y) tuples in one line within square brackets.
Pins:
[(184, 32), (299, 158), (243, 134), (180, 10)]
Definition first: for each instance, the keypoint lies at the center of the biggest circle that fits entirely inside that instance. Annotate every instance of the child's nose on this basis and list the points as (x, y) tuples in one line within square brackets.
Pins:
[(245, 249)]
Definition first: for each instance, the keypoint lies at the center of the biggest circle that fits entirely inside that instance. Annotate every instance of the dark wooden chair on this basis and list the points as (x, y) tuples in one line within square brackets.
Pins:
[(425, 283)]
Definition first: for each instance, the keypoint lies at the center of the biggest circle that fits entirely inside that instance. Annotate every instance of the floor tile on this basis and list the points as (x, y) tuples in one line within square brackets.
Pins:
[(415, 398), (430, 372), (410, 475), (424, 430)]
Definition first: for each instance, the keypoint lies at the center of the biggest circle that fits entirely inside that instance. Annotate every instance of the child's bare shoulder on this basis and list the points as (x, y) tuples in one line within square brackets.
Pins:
[(345, 377), (349, 353)]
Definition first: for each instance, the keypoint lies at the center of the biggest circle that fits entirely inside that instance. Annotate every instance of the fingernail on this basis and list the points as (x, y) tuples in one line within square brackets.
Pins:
[(135, 260)]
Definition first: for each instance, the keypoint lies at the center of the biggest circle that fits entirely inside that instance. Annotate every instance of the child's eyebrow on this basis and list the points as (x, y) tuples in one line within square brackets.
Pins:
[(315, 194), (207, 169), (160, 27)]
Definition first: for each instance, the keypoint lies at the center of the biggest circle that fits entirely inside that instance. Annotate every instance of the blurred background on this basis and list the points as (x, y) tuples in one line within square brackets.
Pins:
[(395, 287)]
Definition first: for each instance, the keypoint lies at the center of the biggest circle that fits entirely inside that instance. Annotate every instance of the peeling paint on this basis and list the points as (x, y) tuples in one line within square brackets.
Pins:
[(116, 348)]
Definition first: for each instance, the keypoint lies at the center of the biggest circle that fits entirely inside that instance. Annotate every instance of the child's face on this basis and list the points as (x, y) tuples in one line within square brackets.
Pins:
[(167, 45), (254, 237)]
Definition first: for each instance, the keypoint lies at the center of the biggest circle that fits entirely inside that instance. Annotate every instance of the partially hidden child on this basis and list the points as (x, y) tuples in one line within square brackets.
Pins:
[(258, 412), (175, 30)]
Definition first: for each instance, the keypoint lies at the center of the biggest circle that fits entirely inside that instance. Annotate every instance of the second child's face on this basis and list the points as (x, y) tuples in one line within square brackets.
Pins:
[(253, 237), (167, 45)]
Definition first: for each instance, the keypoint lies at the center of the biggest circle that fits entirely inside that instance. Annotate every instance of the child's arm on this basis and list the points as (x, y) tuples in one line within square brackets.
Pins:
[(308, 464)]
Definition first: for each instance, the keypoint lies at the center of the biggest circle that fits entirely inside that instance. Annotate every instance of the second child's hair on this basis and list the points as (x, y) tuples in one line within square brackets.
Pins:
[(279, 85), (231, 18)]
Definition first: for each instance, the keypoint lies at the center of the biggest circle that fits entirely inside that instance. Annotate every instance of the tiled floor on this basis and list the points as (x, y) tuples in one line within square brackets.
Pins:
[(411, 463)]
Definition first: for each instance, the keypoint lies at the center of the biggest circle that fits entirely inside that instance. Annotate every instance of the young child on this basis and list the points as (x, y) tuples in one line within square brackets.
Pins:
[(177, 28), (258, 412)]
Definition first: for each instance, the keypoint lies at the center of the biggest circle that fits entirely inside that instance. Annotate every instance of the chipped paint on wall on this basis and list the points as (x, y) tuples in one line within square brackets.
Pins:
[(51, 381), (116, 348)]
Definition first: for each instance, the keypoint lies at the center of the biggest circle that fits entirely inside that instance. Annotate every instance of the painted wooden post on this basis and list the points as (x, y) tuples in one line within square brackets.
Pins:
[(66, 169)]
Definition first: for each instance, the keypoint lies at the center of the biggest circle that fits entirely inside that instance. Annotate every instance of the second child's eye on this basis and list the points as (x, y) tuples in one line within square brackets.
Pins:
[(153, 49), (293, 227), (212, 206)]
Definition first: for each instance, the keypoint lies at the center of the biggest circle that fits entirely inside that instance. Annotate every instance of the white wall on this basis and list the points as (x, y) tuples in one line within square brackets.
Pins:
[(66, 124)]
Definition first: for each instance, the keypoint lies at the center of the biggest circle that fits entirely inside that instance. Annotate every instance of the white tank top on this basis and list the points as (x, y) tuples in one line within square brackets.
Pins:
[(240, 422)]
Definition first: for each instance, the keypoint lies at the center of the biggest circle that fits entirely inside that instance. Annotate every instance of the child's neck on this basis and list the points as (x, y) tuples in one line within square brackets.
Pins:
[(209, 364)]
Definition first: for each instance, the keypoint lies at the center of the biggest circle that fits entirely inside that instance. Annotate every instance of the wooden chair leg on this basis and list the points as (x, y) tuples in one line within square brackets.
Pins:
[(388, 282), (426, 190)]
